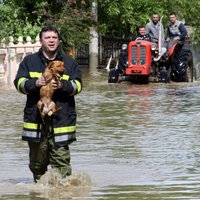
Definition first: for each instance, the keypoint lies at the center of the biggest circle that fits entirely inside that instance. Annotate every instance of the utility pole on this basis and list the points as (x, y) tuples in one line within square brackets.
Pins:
[(93, 44)]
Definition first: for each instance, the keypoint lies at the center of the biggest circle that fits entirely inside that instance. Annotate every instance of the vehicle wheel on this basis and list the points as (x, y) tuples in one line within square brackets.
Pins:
[(182, 69)]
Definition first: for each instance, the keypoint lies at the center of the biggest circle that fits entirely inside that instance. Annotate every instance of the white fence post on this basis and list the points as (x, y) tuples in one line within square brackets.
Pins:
[(3, 66), (12, 55)]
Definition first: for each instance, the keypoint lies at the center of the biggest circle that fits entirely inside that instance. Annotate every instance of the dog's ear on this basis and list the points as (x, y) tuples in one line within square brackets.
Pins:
[(50, 66)]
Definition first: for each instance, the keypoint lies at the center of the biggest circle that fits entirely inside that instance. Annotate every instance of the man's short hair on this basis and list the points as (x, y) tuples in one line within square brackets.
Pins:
[(172, 13), (141, 26), (48, 28), (155, 13)]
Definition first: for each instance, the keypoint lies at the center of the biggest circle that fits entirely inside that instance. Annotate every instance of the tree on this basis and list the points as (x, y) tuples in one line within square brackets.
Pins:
[(123, 17), (73, 17), (15, 21), (26, 17)]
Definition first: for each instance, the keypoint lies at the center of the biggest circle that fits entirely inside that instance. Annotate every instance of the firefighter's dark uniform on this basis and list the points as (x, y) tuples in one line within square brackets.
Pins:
[(48, 142)]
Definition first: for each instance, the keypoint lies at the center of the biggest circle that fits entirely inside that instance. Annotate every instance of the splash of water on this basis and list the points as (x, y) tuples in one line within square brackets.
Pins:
[(53, 178), (52, 186)]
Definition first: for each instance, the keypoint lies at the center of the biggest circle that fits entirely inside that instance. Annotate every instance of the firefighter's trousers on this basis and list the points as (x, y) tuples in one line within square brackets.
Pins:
[(44, 153)]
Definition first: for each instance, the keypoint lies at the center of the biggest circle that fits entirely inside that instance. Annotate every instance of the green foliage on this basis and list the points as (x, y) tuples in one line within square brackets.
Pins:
[(123, 17), (73, 21), (73, 17), (26, 17), (16, 21)]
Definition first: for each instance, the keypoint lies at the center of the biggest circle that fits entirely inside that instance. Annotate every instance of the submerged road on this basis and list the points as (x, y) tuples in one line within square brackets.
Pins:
[(134, 142)]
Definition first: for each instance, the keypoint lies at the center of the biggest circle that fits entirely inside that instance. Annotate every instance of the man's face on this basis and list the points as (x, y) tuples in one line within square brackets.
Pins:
[(49, 41), (172, 18), (155, 18), (142, 31)]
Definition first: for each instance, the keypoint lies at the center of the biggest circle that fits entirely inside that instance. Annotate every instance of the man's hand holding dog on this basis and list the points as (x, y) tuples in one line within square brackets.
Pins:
[(40, 81), (56, 84)]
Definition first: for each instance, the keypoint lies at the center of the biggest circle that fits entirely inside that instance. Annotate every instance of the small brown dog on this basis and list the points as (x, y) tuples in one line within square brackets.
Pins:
[(45, 105)]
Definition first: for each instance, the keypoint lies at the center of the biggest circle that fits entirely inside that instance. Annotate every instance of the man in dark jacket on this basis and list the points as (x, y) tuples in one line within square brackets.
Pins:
[(123, 59), (176, 30), (141, 34), (48, 141)]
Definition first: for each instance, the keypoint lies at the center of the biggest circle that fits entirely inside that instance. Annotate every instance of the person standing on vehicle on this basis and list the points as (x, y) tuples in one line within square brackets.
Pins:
[(48, 141), (153, 28), (176, 30)]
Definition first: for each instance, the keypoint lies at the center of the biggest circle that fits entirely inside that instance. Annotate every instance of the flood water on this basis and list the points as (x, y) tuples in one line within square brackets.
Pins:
[(133, 142)]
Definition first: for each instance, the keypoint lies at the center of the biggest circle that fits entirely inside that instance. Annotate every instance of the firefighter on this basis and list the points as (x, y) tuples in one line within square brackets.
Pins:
[(48, 141), (176, 30)]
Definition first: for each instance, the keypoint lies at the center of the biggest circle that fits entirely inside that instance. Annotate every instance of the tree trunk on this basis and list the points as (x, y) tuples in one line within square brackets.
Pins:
[(93, 45)]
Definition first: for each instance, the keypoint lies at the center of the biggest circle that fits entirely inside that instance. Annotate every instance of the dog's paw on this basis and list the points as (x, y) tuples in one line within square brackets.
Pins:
[(50, 113)]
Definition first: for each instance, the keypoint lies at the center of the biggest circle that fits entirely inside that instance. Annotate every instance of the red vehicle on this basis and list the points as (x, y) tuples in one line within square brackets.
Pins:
[(139, 59), (147, 64)]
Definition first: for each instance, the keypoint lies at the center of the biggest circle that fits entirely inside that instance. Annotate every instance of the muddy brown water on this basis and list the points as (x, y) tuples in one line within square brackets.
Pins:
[(134, 142)]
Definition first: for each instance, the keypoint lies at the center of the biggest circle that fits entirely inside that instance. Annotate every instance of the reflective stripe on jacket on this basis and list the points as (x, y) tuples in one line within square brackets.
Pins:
[(63, 135)]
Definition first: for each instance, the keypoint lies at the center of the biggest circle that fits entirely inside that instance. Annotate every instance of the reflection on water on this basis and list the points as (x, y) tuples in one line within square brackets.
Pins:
[(134, 142)]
